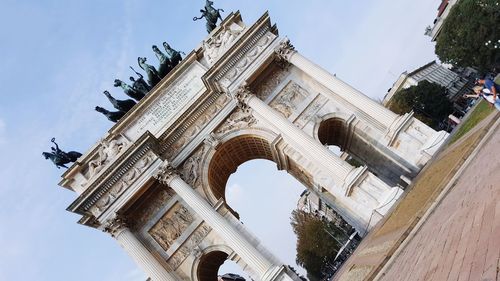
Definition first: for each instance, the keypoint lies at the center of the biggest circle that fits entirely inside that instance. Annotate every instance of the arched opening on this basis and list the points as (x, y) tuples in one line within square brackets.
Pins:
[(359, 149), (263, 197), (208, 268), (232, 154)]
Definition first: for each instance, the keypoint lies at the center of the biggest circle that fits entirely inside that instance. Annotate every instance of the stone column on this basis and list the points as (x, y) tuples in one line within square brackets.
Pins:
[(167, 175), (341, 171), (372, 109), (136, 250)]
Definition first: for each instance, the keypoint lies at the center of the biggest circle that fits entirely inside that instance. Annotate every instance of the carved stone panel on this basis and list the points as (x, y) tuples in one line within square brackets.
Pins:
[(311, 111), (171, 226), (220, 43), (189, 246), (288, 99), (273, 79), (152, 203), (240, 118)]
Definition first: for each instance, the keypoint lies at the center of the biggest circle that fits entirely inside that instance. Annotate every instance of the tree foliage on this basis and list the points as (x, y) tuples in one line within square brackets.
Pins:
[(470, 35), (315, 245), (427, 100)]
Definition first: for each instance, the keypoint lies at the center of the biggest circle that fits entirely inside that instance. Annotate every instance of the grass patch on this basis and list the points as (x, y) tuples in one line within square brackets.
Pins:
[(481, 111)]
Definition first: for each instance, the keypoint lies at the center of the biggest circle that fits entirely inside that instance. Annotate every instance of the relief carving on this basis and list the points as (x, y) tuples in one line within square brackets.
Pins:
[(190, 169), (286, 102), (220, 43), (108, 151), (241, 118), (151, 205), (274, 79), (171, 226), (311, 112), (190, 246)]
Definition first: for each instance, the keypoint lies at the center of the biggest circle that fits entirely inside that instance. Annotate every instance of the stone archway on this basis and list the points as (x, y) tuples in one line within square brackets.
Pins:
[(209, 265), (232, 154), (353, 137)]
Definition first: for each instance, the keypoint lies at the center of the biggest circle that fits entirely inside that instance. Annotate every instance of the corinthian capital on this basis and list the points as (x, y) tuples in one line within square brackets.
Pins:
[(114, 226), (284, 50), (165, 173), (243, 95)]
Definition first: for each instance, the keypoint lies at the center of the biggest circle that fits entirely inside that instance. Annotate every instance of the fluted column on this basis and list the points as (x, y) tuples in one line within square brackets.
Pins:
[(373, 109), (167, 175), (337, 168), (136, 250)]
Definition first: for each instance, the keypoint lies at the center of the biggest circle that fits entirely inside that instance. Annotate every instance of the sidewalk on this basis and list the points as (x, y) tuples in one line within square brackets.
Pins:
[(385, 240)]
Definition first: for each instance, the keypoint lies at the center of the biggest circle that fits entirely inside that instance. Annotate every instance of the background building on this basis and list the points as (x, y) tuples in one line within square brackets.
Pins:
[(457, 82)]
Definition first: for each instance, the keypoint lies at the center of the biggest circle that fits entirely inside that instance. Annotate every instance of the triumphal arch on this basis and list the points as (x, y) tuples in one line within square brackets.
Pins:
[(156, 181)]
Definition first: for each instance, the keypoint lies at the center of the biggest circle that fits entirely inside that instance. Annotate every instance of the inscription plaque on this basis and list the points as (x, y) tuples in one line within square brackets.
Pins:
[(172, 99)]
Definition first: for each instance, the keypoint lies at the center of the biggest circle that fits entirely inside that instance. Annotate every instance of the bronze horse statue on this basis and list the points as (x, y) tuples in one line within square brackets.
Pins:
[(59, 157), (211, 15)]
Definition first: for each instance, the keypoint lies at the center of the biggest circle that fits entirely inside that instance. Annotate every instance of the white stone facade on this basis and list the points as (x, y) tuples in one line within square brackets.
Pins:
[(156, 181)]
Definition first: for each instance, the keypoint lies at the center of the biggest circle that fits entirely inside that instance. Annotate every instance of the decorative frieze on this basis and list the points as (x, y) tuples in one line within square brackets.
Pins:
[(248, 55), (121, 185), (190, 129)]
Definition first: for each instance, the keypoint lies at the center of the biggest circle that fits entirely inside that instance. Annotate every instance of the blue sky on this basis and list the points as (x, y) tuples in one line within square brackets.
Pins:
[(58, 57)]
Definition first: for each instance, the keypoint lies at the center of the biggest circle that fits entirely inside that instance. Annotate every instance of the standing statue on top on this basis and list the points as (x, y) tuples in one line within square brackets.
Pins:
[(139, 84), (211, 15), (59, 157), (153, 76), (128, 90), (175, 56), (165, 63)]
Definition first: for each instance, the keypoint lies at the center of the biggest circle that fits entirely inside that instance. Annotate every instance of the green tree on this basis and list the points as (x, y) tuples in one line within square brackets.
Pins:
[(315, 245), (427, 100), (470, 35)]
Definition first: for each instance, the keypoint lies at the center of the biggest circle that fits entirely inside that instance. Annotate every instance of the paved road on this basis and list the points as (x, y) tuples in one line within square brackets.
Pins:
[(460, 240)]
